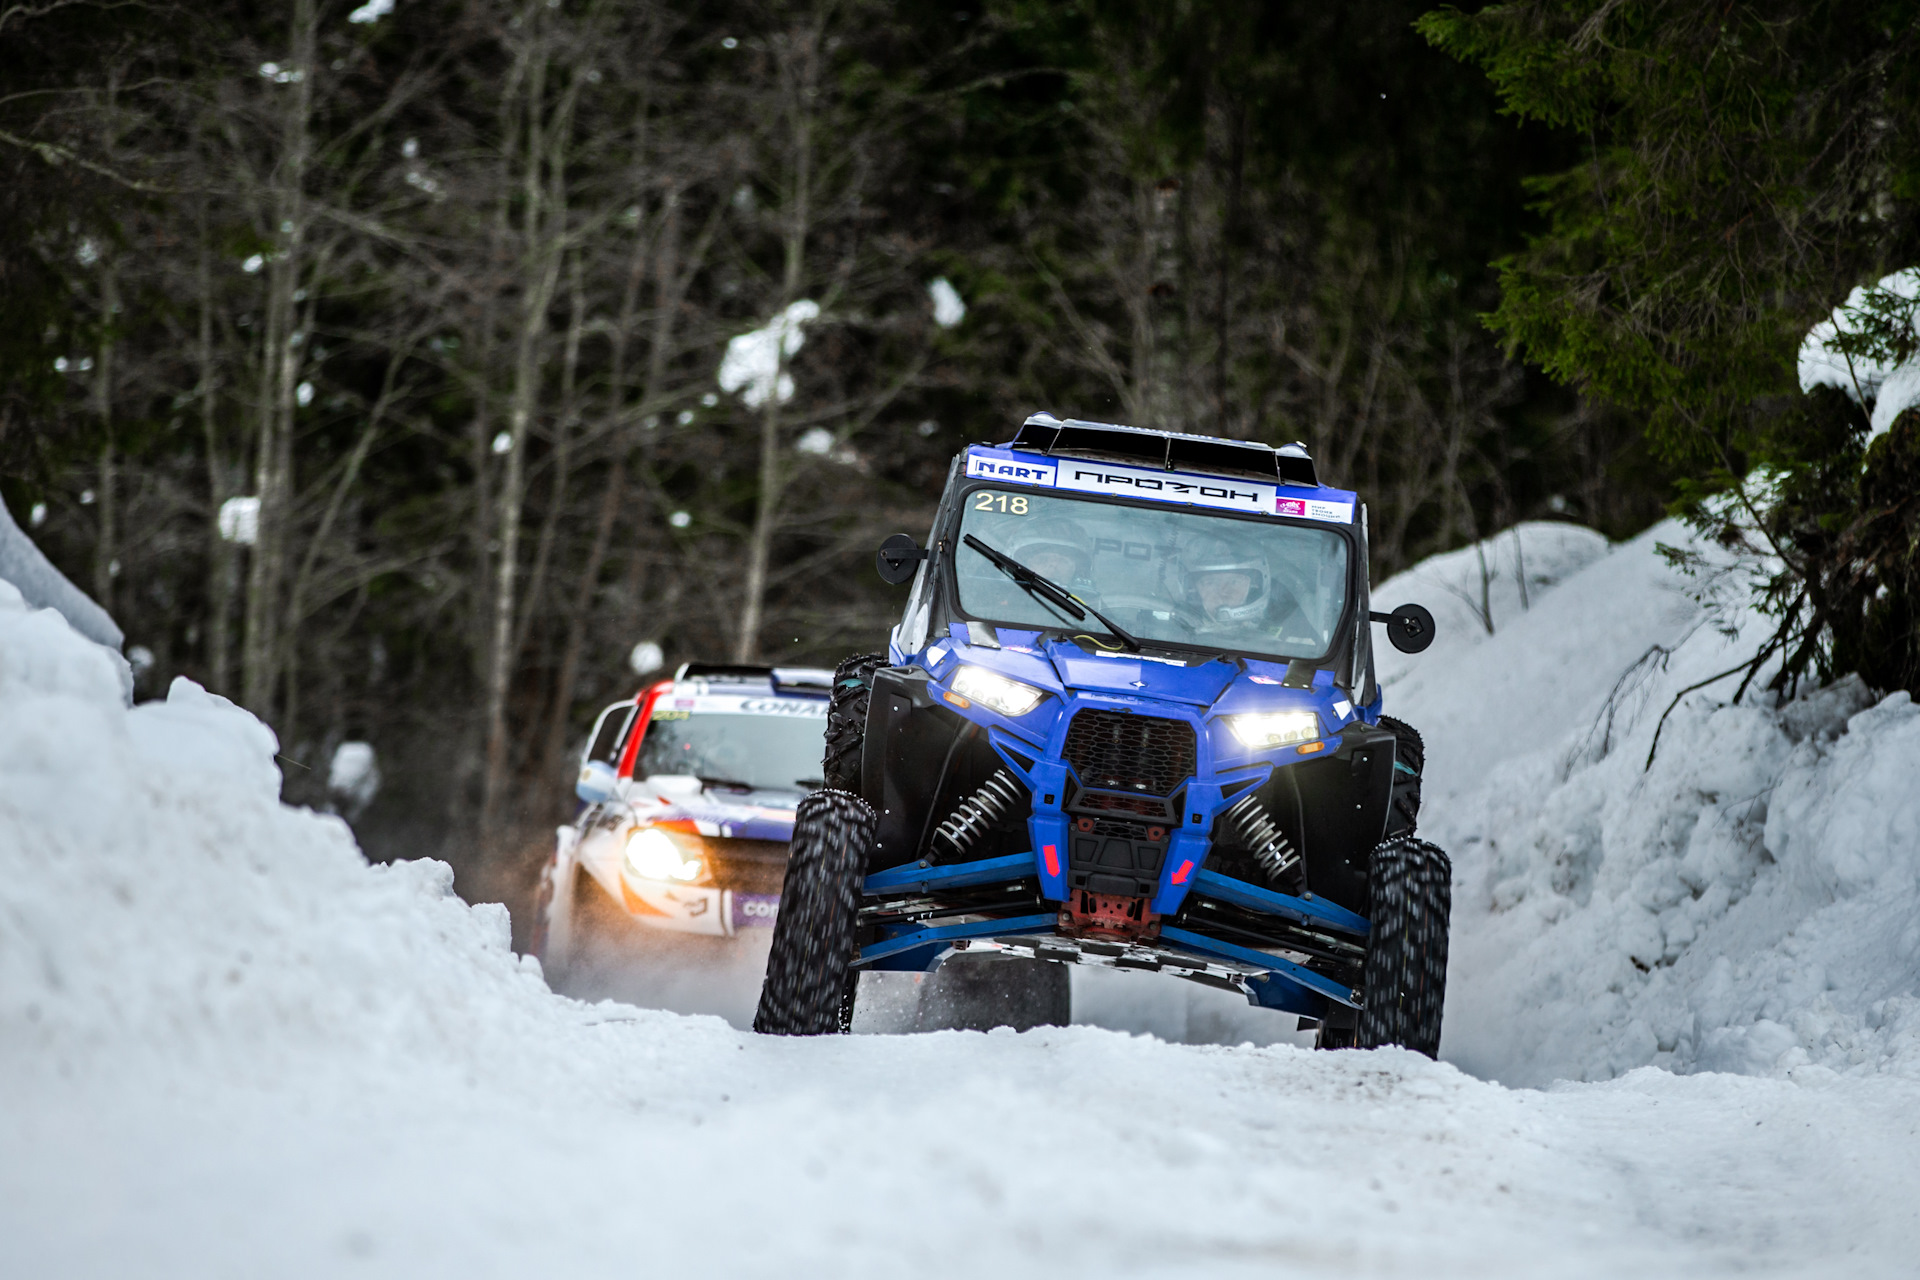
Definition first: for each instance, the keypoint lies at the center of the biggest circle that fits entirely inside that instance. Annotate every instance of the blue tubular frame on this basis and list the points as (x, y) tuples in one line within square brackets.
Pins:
[(918, 949), (917, 877), (1315, 911), (1286, 986)]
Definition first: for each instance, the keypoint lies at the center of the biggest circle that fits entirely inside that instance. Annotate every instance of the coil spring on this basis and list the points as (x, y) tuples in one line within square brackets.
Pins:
[(979, 811), (1250, 822)]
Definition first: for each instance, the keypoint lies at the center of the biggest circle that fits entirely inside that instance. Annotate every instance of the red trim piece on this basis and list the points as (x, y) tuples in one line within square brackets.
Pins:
[(1053, 859), (647, 698), (1180, 876), (1108, 915)]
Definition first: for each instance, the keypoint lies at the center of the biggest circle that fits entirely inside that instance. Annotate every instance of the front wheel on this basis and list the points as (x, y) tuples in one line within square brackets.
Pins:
[(1409, 759), (1410, 887), (808, 986), (847, 720), (553, 913)]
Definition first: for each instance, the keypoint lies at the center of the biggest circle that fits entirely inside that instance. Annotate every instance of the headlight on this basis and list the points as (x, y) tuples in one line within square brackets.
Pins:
[(653, 855), (1008, 697), (1275, 728)]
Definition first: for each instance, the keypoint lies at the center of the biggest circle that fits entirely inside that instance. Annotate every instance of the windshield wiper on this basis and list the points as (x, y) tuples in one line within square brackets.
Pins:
[(733, 783), (1048, 590)]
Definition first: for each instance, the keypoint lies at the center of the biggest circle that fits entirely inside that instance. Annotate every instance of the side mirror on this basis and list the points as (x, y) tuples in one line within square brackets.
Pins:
[(597, 782), (1409, 628), (899, 559)]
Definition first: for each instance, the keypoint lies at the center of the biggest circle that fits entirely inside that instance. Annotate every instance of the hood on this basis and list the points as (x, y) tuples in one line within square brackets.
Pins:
[(739, 815), (1141, 677)]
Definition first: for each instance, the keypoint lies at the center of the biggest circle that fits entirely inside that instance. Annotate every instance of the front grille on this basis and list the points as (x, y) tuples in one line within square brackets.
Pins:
[(1143, 805), (1116, 751), (747, 866)]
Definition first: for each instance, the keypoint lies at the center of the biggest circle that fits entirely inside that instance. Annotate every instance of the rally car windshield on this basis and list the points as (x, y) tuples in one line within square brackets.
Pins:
[(1170, 574), (765, 752)]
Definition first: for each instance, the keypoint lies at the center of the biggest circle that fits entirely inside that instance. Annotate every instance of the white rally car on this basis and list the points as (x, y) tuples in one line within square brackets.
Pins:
[(688, 790)]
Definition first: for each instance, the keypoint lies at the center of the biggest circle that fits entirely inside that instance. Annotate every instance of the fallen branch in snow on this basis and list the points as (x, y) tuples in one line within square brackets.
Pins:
[(1749, 665), (1603, 723), (1701, 684)]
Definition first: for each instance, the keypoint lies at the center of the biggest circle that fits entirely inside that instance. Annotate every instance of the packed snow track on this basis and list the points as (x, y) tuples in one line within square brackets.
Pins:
[(229, 1047)]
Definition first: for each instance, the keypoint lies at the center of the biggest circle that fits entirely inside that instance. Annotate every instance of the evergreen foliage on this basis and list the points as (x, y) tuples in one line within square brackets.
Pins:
[(1744, 165)]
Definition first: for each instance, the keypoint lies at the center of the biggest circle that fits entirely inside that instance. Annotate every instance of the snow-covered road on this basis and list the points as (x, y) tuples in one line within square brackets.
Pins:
[(697, 1150), (230, 1048)]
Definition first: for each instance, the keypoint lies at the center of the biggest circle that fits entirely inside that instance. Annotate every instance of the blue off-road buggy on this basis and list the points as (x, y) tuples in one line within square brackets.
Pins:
[(1128, 719)]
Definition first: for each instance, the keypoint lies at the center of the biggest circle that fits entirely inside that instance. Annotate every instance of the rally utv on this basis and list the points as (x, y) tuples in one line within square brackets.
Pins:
[(1128, 718)]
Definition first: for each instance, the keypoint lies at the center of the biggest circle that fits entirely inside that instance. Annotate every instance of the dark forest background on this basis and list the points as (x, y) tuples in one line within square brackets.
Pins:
[(446, 287)]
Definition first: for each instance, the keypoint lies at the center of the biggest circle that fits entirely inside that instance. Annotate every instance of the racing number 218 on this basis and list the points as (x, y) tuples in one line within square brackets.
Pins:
[(1001, 502)]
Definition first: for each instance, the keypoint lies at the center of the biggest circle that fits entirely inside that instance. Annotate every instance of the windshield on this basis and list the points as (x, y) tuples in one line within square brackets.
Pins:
[(771, 752), (1169, 574)]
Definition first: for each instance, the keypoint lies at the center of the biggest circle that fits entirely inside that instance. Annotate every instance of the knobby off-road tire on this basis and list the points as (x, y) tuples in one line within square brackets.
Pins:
[(1410, 887), (847, 720), (811, 958), (1409, 759)]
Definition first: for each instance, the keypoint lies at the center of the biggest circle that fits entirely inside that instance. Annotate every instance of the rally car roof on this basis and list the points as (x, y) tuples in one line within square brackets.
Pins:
[(803, 680), (1289, 464)]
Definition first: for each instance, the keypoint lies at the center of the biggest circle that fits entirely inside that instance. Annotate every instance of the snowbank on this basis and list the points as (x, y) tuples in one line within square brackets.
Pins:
[(1748, 903), (158, 898), (229, 1047)]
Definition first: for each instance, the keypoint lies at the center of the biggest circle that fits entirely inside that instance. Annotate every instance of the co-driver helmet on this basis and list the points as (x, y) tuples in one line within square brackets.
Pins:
[(1052, 537)]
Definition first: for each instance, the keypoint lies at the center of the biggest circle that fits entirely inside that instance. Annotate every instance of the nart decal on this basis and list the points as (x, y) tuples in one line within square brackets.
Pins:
[(1021, 472)]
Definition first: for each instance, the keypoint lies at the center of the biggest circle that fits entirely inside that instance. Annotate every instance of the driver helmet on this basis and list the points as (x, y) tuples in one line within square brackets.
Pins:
[(1211, 557), (1053, 547)]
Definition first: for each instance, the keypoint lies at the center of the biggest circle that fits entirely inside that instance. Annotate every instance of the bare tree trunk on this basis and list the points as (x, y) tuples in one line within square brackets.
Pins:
[(280, 374), (766, 512), (800, 78), (106, 559), (666, 296), (1224, 255), (544, 226), (223, 556), (562, 454)]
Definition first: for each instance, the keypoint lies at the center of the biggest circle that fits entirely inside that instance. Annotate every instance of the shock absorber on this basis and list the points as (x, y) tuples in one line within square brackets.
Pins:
[(1249, 822), (971, 817)]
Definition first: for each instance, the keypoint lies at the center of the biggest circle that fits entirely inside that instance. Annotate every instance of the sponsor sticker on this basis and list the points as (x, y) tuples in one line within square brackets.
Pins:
[(755, 910), (1314, 509), (814, 707), (1167, 486), (1022, 472), (742, 704)]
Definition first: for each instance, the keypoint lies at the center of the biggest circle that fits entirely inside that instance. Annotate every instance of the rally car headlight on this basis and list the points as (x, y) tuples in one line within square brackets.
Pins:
[(653, 855), (1008, 697), (1275, 728)]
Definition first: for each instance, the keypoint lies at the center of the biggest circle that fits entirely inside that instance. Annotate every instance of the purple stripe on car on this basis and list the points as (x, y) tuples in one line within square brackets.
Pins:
[(755, 910)]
